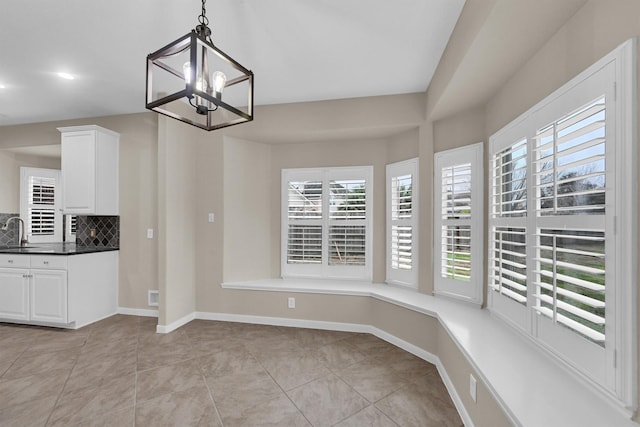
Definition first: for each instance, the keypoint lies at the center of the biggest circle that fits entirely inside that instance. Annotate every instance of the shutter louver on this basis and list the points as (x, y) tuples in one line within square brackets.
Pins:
[(508, 263), (509, 181), (456, 218), (347, 245), (456, 192), (401, 222), (571, 280), (456, 252), (401, 247), (347, 200), (41, 201), (304, 242), (347, 219), (570, 163)]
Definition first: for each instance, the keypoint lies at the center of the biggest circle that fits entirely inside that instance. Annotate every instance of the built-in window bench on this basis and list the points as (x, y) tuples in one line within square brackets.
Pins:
[(531, 387)]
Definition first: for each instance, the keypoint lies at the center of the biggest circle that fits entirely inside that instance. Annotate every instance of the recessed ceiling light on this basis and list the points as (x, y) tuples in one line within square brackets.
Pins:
[(66, 76), (2, 86)]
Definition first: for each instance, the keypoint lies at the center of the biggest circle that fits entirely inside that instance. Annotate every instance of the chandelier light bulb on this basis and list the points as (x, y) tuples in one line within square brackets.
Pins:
[(219, 82)]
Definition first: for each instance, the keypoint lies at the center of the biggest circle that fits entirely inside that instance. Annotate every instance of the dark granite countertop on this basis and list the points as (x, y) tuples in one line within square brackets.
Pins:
[(54, 249)]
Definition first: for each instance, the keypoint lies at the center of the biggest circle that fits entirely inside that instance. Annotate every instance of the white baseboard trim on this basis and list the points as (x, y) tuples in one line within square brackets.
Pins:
[(165, 329), (283, 321), (350, 327), (457, 401), (137, 312)]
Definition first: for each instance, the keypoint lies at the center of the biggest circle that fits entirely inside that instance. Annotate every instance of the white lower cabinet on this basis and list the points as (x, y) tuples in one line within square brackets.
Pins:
[(48, 296), (58, 290), (14, 293)]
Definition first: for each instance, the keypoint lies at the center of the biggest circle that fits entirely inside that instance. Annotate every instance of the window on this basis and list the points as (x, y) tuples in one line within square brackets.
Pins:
[(40, 204), (562, 227), (458, 216), (326, 222), (70, 228), (402, 223)]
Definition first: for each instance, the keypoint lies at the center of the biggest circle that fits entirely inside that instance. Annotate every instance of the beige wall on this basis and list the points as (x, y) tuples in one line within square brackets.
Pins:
[(210, 252), (247, 210), (10, 164), (485, 411)]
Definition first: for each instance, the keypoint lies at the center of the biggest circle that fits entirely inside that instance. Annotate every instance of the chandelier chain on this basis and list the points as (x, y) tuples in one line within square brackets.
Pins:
[(203, 17), (203, 29)]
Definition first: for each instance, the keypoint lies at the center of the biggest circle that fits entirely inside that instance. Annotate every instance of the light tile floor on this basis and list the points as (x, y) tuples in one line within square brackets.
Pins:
[(118, 372)]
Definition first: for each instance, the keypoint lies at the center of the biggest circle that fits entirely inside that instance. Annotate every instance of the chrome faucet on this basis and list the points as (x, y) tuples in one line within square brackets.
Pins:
[(5, 227)]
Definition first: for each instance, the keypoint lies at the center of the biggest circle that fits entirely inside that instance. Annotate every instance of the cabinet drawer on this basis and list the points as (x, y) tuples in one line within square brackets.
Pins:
[(49, 262), (14, 261)]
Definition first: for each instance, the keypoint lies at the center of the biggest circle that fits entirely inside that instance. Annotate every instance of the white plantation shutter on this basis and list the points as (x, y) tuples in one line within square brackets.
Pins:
[(304, 213), (509, 181), (40, 204), (570, 163), (41, 219), (326, 222), (402, 223), (508, 263), (563, 177), (571, 280), (347, 222), (458, 215), (70, 228), (570, 183), (508, 224)]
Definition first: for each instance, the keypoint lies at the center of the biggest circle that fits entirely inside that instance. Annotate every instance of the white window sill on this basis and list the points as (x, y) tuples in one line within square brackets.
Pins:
[(535, 391)]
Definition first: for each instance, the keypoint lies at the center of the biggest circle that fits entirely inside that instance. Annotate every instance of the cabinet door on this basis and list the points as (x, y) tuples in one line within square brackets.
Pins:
[(79, 172), (49, 296), (14, 293)]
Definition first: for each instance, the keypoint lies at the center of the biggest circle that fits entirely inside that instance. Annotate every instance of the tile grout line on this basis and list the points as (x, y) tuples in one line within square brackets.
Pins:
[(206, 384), (135, 381), (64, 386), (283, 391)]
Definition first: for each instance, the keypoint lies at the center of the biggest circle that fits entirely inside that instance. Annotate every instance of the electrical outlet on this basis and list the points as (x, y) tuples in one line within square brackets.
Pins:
[(212, 217), (153, 298), (291, 302), (149, 233), (472, 386)]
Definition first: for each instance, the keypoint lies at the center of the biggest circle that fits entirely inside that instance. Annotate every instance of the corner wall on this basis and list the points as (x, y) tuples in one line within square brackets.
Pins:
[(177, 202)]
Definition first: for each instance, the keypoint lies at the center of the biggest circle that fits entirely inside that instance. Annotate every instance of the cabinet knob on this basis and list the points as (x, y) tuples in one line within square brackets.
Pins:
[(46, 263), (10, 261)]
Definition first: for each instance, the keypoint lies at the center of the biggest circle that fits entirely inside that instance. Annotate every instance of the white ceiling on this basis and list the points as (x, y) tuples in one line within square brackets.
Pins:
[(299, 50)]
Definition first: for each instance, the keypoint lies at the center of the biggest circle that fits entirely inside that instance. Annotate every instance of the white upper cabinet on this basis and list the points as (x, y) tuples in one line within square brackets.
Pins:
[(90, 157)]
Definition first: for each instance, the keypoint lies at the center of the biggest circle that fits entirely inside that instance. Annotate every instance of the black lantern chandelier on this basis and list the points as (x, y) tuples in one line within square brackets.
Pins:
[(193, 81)]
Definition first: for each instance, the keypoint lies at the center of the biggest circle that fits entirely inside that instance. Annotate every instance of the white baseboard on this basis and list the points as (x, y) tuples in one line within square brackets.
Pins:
[(165, 329), (283, 321), (455, 397), (137, 312)]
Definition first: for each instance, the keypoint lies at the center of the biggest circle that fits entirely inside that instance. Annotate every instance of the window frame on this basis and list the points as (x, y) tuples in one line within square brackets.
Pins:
[(617, 377), (407, 278), (470, 291), (324, 270)]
